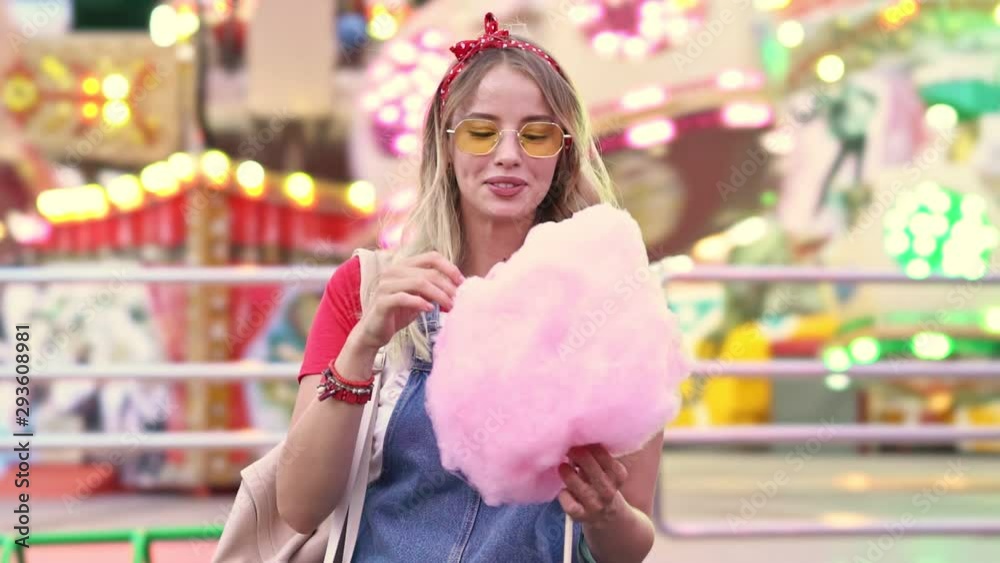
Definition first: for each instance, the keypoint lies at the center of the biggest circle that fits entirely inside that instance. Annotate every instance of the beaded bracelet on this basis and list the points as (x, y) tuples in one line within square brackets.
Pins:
[(334, 385), (346, 382)]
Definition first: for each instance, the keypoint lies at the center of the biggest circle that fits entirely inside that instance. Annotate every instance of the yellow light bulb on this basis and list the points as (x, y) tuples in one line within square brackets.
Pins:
[(182, 166), (116, 113), (215, 164), (115, 87), (125, 192), (361, 195), (90, 110), (830, 68), (91, 86), (159, 179), (250, 176), (301, 189)]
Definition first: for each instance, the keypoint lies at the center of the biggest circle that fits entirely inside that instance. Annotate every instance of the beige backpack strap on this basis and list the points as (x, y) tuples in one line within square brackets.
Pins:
[(352, 503), (370, 268), (372, 264)]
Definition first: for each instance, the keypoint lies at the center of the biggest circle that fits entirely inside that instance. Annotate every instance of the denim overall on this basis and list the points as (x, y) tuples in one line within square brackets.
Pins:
[(416, 511)]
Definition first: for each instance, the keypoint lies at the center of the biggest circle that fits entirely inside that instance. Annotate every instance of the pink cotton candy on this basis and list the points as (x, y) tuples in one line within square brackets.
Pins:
[(569, 342)]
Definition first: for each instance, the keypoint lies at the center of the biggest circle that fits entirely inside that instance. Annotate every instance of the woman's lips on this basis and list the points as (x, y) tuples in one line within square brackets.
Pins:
[(505, 187)]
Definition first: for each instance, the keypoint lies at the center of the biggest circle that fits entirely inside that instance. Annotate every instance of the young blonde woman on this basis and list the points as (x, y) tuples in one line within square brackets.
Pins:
[(506, 145)]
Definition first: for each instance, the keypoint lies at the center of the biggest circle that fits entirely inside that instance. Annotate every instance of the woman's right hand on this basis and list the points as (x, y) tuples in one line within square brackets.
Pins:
[(406, 289)]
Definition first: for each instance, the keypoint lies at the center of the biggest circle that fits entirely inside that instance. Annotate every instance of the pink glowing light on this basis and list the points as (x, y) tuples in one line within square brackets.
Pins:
[(651, 133), (747, 115), (734, 79), (635, 29), (644, 98), (400, 86)]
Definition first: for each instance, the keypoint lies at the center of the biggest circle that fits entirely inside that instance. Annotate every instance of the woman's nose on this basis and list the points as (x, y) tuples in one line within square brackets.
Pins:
[(508, 151)]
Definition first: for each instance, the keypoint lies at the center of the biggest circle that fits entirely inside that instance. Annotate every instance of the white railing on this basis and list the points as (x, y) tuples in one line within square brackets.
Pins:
[(247, 371), (777, 369)]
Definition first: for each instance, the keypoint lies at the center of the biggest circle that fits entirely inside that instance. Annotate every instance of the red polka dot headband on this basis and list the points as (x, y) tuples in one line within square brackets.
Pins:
[(492, 38)]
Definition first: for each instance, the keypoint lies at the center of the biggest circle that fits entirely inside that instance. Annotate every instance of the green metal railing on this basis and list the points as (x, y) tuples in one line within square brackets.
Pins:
[(140, 538)]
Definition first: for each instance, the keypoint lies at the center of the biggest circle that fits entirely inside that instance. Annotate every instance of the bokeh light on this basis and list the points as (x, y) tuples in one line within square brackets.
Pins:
[(936, 230), (837, 381), (383, 23), (771, 5), (187, 22), (650, 133), (931, 345), (301, 189), (991, 319), (215, 165), (90, 86), (182, 165), (791, 34), (163, 25), (250, 176), (125, 192), (747, 115), (159, 179), (836, 359), (90, 110), (830, 68), (115, 87), (73, 204), (116, 113), (361, 196), (647, 97), (941, 117), (865, 350)]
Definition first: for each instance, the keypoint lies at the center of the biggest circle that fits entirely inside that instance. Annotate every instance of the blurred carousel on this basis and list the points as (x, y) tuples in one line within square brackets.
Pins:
[(908, 92)]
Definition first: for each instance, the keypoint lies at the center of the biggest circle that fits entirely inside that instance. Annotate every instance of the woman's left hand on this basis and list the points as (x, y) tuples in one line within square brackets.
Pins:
[(592, 494)]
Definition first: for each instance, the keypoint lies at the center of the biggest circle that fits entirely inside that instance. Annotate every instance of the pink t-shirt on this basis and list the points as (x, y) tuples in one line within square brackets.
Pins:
[(338, 313)]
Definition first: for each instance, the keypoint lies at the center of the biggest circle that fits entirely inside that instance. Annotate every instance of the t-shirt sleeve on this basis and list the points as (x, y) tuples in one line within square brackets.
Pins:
[(338, 313)]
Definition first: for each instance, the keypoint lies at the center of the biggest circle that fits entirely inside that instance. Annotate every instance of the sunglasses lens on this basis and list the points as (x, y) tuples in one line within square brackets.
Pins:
[(541, 139), (476, 136)]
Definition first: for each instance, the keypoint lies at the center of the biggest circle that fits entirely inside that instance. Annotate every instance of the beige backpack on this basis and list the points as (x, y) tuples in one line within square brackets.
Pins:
[(254, 531)]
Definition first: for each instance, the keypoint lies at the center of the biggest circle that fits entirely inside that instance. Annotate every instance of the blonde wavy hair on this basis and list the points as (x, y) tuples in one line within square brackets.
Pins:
[(580, 179)]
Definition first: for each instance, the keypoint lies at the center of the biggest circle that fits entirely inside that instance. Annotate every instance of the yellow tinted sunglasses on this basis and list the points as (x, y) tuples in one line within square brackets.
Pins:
[(539, 139)]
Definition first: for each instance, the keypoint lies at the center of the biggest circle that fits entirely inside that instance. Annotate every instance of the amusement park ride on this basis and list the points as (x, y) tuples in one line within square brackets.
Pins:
[(707, 113)]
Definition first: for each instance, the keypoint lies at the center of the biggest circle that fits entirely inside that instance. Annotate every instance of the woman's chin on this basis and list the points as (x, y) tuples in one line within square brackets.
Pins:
[(508, 211)]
